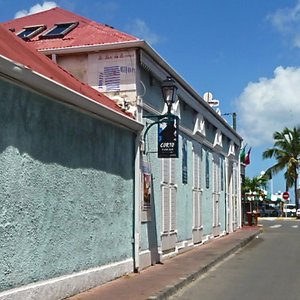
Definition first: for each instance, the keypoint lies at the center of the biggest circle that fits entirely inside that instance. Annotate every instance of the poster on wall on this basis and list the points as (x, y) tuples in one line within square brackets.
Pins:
[(112, 71), (147, 183)]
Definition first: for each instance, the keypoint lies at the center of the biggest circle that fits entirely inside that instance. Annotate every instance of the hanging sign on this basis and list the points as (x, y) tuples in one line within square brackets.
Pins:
[(168, 137)]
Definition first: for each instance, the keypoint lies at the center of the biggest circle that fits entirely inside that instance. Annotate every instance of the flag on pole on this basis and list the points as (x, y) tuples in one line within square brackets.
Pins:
[(247, 158), (243, 154)]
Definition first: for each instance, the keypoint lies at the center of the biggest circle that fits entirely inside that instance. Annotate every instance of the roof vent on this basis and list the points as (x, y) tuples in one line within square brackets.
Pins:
[(108, 26)]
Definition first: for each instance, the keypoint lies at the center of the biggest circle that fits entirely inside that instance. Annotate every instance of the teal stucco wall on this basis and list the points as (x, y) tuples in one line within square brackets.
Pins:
[(184, 219), (66, 189), (151, 230), (207, 204)]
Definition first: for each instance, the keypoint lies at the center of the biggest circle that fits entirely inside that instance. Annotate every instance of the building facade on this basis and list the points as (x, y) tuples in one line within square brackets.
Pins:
[(177, 203), (196, 196), (67, 180)]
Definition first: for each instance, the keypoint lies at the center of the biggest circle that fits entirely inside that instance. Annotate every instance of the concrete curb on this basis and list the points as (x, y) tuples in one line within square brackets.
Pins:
[(170, 290), (277, 218)]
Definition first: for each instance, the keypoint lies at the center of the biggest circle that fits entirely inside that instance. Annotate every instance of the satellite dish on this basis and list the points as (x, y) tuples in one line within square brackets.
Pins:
[(208, 96), (214, 103)]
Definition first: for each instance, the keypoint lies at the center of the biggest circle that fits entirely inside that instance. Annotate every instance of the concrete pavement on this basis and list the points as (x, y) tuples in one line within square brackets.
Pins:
[(163, 280)]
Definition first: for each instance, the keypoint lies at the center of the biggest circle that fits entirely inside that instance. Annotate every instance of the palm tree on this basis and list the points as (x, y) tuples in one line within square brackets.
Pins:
[(255, 184), (286, 151), (253, 187)]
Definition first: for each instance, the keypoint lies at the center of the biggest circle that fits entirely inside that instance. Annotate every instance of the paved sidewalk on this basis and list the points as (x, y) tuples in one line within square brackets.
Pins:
[(163, 280)]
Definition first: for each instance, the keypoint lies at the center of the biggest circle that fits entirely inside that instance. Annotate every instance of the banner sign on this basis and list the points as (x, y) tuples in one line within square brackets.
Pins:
[(168, 137), (184, 162)]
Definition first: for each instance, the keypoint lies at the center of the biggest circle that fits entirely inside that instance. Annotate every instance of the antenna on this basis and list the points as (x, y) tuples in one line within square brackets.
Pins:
[(209, 98)]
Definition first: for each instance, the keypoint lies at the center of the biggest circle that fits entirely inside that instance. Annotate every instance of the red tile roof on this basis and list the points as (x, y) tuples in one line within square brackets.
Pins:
[(87, 32), (15, 49)]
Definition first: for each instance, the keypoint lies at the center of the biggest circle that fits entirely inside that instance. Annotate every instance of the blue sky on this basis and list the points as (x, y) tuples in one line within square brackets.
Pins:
[(246, 52)]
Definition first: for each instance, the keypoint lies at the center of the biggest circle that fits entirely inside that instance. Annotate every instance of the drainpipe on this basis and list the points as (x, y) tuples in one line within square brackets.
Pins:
[(137, 204)]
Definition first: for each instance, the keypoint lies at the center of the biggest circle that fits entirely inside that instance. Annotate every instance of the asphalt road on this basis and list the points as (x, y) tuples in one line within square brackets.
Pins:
[(267, 269)]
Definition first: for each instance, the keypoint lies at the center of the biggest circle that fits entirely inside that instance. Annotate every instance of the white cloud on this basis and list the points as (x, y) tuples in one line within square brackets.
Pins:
[(35, 9), (140, 29), (287, 22), (269, 105)]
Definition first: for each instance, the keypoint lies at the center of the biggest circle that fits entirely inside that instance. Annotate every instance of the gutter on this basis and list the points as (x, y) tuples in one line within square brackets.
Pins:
[(46, 86), (156, 57)]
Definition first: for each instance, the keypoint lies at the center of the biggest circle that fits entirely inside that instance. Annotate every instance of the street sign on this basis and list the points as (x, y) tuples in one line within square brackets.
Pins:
[(285, 195)]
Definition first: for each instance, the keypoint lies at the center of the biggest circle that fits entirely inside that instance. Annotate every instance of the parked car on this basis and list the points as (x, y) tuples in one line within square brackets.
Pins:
[(289, 210), (298, 213), (270, 211)]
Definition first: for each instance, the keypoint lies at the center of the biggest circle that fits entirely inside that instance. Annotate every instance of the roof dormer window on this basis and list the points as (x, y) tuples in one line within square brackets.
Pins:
[(29, 32), (59, 30)]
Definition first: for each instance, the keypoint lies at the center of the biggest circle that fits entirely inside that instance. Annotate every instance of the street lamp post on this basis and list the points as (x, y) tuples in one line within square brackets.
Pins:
[(169, 91), (170, 134)]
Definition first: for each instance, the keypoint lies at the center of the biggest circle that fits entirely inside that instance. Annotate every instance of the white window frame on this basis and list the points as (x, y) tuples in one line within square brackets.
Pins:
[(169, 194), (197, 187)]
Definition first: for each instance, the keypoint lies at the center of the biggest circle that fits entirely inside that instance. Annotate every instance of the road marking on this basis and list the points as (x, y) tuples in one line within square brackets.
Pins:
[(270, 219), (295, 226), (275, 226)]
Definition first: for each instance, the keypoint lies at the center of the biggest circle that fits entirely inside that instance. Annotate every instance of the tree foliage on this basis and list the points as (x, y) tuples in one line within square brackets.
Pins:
[(254, 185), (286, 152)]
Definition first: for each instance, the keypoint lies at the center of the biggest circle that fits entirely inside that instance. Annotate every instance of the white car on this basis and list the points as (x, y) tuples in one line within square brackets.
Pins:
[(298, 213), (289, 210)]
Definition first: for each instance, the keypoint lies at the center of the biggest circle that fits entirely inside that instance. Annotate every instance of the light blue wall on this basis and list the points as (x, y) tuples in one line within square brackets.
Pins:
[(151, 231), (223, 196), (210, 132), (188, 116), (207, 204), (184, 194), (153, 94), (66, 189), (150, 237)]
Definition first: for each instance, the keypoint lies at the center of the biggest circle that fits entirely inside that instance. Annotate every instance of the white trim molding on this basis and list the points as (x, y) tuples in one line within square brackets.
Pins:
[(69, 285), (199, 127)]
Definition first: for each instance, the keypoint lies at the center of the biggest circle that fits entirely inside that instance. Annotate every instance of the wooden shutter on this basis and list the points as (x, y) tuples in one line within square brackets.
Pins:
[(173, 193), (166, 208), (165, 170), (169, 192)]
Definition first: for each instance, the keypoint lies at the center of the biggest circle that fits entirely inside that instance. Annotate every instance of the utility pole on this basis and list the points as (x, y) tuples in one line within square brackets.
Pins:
[(233, 114)]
